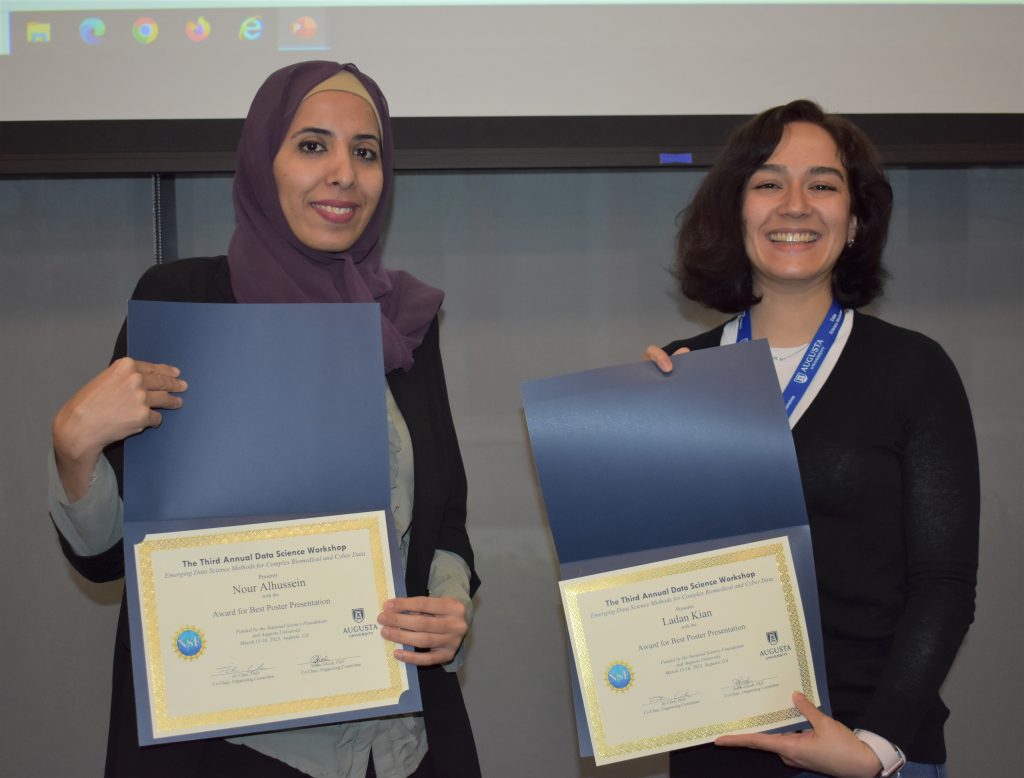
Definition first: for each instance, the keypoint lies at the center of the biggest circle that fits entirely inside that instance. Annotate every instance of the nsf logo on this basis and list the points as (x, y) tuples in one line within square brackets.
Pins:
[(619, 676), (800, 377), (189, 643)]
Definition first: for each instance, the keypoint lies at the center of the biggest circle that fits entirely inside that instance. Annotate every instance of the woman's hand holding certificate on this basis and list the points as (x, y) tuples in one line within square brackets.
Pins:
[(435, 624), (677, 652), (266, 623), (828, 747)]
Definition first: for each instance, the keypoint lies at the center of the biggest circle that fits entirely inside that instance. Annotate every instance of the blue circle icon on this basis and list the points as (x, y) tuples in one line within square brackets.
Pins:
[(92, 30)]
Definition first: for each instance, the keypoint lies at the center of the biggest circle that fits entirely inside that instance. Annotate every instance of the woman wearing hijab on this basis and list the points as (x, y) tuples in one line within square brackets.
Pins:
[(314, 172), (787, 231)]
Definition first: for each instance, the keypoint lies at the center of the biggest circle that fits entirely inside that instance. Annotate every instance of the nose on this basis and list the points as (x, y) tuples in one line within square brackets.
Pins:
[(794, 202), (342, 172)]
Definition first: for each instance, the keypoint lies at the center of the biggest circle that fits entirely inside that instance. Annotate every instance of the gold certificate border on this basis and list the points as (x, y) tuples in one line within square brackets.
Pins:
[(777, 548), (164, 724)]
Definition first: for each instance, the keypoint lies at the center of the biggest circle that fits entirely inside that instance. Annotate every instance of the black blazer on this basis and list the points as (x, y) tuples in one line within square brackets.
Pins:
[(438, 522)]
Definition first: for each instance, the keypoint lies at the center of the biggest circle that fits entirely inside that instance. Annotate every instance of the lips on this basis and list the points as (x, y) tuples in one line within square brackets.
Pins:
[(785, 236), (335, 211)]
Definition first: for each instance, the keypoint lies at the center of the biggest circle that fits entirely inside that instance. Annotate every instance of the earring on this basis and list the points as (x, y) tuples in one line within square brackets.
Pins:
[(849, 243)]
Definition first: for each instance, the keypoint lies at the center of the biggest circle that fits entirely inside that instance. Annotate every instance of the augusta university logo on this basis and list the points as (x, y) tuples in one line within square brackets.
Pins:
[(359, 616), (775, 649)]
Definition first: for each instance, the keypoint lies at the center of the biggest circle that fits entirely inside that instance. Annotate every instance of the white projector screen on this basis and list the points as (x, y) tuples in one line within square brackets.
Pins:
[(161, 86), (179, 59)]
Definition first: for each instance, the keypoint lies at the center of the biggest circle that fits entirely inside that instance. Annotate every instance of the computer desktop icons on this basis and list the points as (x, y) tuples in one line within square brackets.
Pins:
[(159, 28)]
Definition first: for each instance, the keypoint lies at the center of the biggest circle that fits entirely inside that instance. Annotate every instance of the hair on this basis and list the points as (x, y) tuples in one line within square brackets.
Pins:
[(711, 260)]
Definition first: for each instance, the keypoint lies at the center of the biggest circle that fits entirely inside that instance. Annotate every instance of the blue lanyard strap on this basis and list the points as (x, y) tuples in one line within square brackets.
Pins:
[(823, 340)]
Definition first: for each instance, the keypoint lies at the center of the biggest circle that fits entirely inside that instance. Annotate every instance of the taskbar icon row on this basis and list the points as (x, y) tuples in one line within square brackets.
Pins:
[(159, 29)]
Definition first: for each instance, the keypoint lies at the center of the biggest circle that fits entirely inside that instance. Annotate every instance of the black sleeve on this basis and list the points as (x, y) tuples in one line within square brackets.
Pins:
[(439, 505), (941, 510), (453, 536), (708, 339)]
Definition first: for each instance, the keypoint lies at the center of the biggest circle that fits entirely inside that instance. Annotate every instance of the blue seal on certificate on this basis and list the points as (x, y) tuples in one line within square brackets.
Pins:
[(189, 643), (619, 676)]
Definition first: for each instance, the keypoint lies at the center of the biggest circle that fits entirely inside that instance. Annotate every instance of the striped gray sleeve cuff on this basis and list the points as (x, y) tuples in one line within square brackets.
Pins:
[(449, 577), (96, 522)]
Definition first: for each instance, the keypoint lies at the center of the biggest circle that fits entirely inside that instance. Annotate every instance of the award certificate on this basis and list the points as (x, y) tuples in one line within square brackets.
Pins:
[(266, 623), (675, 653)]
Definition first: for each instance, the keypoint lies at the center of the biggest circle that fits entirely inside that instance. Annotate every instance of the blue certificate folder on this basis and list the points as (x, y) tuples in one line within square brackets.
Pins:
[(285, 417), (638, 466)]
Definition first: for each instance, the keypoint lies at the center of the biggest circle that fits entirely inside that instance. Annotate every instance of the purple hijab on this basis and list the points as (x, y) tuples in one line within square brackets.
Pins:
[(270, 265)]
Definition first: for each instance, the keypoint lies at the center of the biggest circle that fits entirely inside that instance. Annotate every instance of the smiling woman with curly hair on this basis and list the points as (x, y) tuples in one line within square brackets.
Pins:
[(787, 230)]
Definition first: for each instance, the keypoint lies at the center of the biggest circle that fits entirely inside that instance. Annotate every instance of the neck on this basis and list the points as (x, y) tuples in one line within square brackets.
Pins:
[(789, 319)]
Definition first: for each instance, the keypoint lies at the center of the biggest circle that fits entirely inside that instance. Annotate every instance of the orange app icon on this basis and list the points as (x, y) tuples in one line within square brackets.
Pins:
[(304, 27), (197, 31)]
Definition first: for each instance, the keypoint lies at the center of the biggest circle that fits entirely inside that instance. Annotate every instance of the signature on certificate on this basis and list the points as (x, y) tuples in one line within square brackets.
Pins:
[(234, 671), (663, 701), (745, 682), (321, 660)]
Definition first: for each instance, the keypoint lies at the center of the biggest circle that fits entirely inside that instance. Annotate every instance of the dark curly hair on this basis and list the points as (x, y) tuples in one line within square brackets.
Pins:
[(711, 261)]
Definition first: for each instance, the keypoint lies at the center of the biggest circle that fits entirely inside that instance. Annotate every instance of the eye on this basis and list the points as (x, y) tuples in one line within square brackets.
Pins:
[(766, 185), (311, 146), (366, 153), (824, 187)]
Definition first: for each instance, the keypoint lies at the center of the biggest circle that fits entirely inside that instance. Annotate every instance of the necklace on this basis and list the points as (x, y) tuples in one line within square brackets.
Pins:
[(789, 356)]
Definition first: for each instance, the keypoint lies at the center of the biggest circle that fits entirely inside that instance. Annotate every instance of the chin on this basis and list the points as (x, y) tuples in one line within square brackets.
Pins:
[(329, 245)]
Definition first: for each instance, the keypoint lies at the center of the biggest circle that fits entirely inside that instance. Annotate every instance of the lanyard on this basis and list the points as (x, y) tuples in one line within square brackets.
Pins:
[(813, 357)]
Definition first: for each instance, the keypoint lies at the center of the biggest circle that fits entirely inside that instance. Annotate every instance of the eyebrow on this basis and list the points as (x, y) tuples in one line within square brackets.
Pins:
[(817, 170), (327, 133)]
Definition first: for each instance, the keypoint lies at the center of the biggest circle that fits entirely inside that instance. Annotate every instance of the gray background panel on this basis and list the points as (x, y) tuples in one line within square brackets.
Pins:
[(546, 273)]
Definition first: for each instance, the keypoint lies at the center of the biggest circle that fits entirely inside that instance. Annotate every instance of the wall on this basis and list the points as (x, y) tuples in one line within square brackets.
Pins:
[(546, 272)]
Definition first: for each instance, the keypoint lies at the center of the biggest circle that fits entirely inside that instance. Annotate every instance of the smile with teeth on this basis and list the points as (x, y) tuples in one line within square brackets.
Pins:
[(338, 210), (793, 237)]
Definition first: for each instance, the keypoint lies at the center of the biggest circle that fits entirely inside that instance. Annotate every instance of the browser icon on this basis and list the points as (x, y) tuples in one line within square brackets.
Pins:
[(198, 30), (251, 29), (145, 30), (92, 30)]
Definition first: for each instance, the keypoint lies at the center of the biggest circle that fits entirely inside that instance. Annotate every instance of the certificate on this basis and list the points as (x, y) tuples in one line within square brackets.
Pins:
[(650, 481), (302, 647), (675, 653), (265, 624)]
